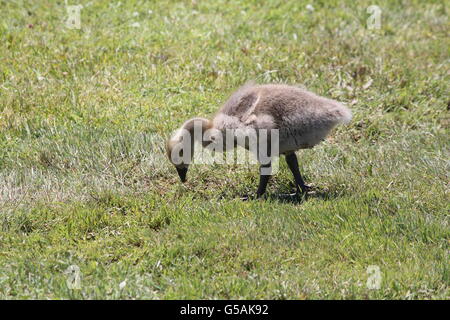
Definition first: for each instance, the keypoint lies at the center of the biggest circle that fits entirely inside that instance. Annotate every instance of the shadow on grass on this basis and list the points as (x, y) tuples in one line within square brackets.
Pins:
[(293, 198), (314, 193)]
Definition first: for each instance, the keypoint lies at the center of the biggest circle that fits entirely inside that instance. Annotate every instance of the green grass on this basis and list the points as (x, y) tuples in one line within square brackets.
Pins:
[(83, 178)]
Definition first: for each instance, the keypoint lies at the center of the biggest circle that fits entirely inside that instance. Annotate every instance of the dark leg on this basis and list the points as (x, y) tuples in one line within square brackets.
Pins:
[(291, 160), (264, 177)]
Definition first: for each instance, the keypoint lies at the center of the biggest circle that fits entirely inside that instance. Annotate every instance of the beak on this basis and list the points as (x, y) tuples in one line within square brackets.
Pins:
[(182, 173)]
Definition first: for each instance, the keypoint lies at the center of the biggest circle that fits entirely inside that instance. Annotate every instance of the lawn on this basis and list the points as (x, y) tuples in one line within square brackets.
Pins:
[(85, 186)]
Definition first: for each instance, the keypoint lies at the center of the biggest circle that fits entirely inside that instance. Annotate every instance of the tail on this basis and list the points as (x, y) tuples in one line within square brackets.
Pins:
[(342, 113)]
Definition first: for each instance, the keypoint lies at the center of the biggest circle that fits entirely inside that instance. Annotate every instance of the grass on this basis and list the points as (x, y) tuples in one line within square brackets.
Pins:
[(84, 180)]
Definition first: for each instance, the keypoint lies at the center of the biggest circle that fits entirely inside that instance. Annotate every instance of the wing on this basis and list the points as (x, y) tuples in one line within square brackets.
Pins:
[(240, 101), (238, 110)]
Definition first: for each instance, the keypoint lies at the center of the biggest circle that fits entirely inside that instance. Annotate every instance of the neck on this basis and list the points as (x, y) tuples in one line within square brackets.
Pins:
[(197, 127)]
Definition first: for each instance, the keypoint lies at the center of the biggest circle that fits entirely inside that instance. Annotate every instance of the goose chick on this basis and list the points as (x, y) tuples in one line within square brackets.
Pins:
[(301, 118)]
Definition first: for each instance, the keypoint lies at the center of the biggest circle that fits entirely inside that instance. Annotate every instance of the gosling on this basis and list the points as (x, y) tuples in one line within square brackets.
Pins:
[(302, 118)]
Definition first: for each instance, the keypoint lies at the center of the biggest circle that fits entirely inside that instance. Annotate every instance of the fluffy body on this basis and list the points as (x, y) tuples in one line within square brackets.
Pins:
[(302, 117)]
